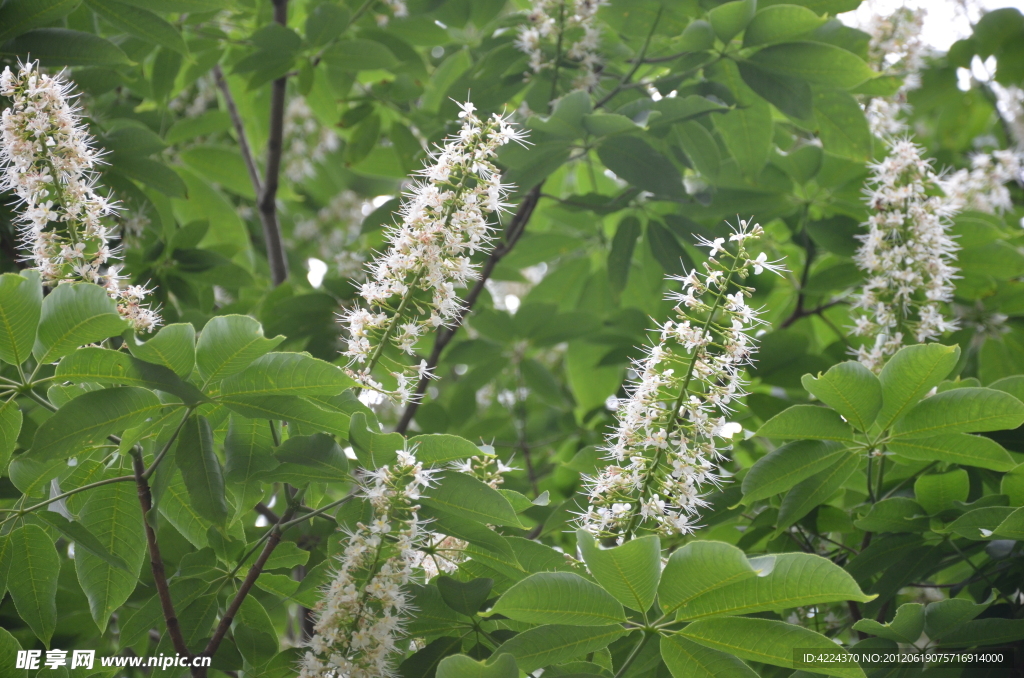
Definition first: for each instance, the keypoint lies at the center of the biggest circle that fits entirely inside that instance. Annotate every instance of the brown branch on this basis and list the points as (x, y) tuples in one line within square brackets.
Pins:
[(250, 580), (445, 335), (266, 512), (236, 121), (156, 562), (275, 147)]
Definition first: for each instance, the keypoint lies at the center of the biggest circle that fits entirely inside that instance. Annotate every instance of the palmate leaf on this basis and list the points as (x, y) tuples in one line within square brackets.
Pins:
[(850, 389), (687, 659), (768, 641), (785, 466), (91, 417), (92, 364), (461, 666), (35, 560), (201, 469), (288, 374), (816, 490), (174, 347), (961, 410), (141, 23), (555, 643), (807, 422), (559, 598), (112, 514), (699, 567), (72, 316), (795, 579), (630, 572), (956, 448), (911, 373), (10, 427), (21, 302), (470, 498), (228, 344)]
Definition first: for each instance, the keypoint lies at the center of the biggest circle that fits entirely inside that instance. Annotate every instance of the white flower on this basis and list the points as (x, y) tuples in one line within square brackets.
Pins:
[(666, 426), (362, 614), (47, 159), (982, 187), (907, 256), (306, 142), (895, 48), (550, 23), (444, 221)]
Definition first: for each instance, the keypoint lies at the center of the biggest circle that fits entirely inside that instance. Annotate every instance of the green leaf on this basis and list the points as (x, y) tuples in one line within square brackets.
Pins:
[(607, 124), (842, 126), (64, 47), (435, 449), (729, 19), (156, 175), (325, 23), (686, 659), (636, 161), (315, 458), (979, 523), (141, 23), (815, 62), (84, 539), (962, 410), (667, 250), (849, 388), (228, 344), (559, 598), (906, 626), (554, 643), (433, 616), (254, 633), (292, 409), (698, 36), (288, 374), (359, 55), (816, 490), (785, 466), (956, 448), (19, 16), (72, 316), (461, 666), (91, 417), (807, 422), (747, 133), (174, 347), (472, 499), (793, 580), (896, 514), (700, 147), (620, 257), (464, 597), (1012, 485), (699, 567), (938, 492), (35, 562), (769, 642), (944, 616), (112, 514), (10, 428), (780, 23), (9, 648), (911, 373), (21, 301), (982, 632), (248, 452), (630, 572), (1012, 526), (201, 470), (92, 364), (792, 96)]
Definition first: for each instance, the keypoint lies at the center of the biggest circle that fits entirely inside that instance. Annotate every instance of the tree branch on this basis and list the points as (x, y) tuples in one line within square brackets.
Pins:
[(236, 121), (156, 561), (275, 146), (445, 335), (250, 580)]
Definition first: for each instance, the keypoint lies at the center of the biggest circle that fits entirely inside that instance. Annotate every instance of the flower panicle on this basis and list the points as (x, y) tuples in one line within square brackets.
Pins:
[(362, 616), (907, 255), (49, 161), (411, 287), (668, 442), (983, 187), (548, 22)]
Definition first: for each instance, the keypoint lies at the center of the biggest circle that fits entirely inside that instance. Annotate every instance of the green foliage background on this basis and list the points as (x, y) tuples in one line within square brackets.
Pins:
[(878, 519)]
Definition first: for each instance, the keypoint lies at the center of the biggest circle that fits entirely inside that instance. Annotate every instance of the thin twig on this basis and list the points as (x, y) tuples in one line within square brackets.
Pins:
[(248, 582), (236, 121), (266, 512), (445, 335), (637, 63), (156, 561)]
